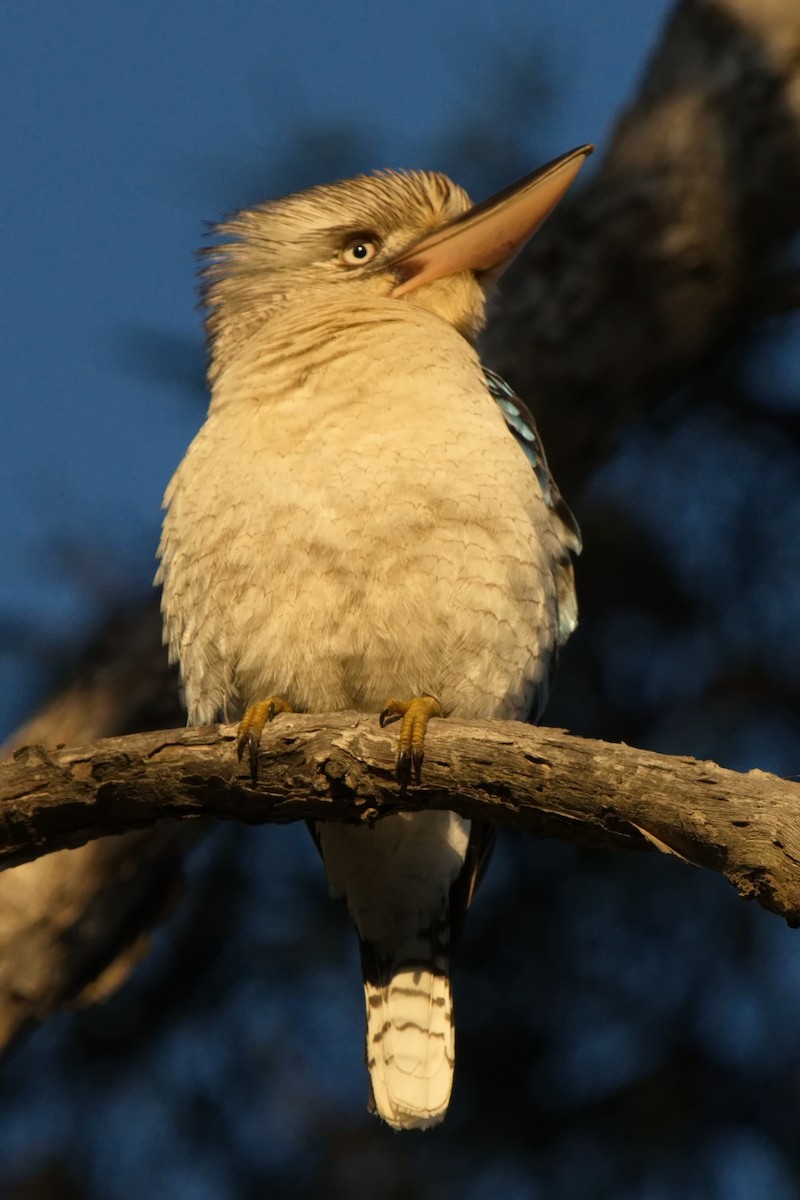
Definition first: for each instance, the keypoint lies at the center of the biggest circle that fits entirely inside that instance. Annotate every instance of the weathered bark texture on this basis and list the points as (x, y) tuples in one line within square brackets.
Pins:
[(339, 767), (665, 255)]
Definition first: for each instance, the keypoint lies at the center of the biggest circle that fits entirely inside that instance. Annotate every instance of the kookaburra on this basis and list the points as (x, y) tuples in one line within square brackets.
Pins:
[(366, 520)]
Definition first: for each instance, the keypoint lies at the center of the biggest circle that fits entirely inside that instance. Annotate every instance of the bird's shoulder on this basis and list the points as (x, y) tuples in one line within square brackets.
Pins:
[(521, 424)]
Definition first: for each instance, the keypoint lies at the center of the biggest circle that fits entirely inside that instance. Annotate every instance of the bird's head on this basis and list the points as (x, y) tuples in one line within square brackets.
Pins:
[(414, 237)]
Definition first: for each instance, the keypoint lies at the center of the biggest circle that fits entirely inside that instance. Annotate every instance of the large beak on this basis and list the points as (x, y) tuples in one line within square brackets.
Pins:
[(489, 236)]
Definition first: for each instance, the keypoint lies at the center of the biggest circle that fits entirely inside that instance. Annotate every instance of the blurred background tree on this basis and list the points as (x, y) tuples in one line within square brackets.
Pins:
[(626, 1025)]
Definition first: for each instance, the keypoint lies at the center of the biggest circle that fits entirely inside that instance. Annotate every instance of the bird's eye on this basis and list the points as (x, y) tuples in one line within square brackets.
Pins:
[(359, 250)]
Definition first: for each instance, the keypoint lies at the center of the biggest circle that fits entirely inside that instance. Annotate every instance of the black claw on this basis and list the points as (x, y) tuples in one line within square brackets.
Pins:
[(240, 749), (271, 711), (252, 742), (386, 716), (403, 767), (416, 757)]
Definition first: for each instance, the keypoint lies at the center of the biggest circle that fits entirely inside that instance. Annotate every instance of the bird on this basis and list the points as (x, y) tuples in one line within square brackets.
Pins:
[(366, 520)]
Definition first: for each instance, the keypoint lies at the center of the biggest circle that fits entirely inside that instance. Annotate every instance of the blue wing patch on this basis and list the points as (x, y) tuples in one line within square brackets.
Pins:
[(521, 423)]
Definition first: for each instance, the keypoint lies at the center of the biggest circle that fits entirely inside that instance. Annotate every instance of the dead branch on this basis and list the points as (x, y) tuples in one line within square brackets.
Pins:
[(340, 767)]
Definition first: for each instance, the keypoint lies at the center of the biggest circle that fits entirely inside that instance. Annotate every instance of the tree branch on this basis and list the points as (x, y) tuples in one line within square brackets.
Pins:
[(340, 767)]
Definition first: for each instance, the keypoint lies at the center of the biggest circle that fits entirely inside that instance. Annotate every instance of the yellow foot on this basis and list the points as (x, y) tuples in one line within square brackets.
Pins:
[(415, 713), (250, 726)]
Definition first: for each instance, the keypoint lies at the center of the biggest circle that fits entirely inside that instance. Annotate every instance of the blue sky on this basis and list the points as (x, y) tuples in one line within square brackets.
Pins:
[(128, 126)]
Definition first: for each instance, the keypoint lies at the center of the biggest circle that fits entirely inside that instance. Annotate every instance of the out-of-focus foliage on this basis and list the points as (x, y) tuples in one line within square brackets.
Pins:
[(627, 1026)]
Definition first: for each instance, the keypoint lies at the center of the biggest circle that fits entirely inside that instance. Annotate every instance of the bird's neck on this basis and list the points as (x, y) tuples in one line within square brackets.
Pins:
[(241, 312), (299, 342)]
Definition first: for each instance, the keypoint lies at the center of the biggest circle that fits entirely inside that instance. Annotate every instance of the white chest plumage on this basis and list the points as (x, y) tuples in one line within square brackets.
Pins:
[(360, 525)]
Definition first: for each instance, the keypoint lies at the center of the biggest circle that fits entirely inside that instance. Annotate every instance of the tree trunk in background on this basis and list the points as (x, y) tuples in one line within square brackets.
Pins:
[(672, 248), (73, 925)]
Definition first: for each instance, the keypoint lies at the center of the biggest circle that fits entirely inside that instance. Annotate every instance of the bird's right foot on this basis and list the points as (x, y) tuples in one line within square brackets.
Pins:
[(249, 732), (411, 746)]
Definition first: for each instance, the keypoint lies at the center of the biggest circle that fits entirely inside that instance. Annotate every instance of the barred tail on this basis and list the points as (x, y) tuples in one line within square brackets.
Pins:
[(410, 1034)]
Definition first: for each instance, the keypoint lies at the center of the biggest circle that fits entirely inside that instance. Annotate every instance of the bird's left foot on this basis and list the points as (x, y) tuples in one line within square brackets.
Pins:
[(411, 749), (255, 718)]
